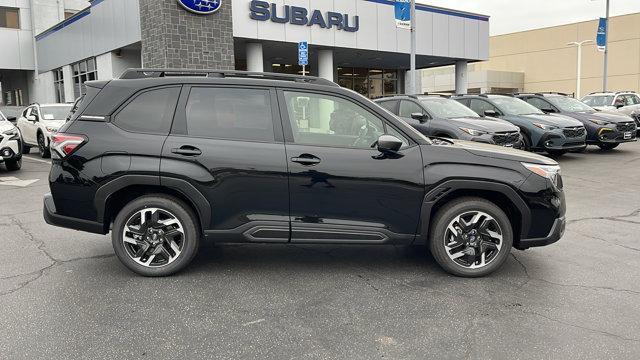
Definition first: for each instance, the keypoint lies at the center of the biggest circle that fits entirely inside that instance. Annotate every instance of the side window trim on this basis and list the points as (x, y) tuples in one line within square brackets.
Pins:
[(286, 121), (111, 119)]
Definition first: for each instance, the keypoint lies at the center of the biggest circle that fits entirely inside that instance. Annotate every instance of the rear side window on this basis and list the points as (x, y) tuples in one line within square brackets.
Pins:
[(149, 112), (230, 113)]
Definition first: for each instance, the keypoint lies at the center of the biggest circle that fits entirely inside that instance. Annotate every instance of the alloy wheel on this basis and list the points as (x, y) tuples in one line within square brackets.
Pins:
[(473, 239), (153, 237)]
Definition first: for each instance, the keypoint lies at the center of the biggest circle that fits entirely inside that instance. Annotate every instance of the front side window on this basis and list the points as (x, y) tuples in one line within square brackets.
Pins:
[(230, 113), (390, 106), (9, 18), (325, 120), (570, 104), (480, 106), (539, 103), (409, 107), (149, 112)]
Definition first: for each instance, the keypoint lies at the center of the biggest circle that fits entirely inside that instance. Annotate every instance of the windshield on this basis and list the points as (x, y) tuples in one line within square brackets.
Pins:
[(515, 106), (569, 104), (447, 108), (55, 112), (598, 100)]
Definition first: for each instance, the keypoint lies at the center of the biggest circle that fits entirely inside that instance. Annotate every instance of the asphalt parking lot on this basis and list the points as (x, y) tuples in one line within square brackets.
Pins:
[(64, 295)]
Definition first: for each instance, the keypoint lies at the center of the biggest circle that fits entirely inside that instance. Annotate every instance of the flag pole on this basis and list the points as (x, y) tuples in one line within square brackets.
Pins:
[(412, 78)]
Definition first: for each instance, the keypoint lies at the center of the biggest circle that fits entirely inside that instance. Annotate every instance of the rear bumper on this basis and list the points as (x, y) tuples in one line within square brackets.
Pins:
[(52, 218), (557, 230)]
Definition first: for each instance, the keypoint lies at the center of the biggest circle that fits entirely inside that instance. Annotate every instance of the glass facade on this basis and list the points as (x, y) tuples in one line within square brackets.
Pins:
[(58, 85), (372, 83)]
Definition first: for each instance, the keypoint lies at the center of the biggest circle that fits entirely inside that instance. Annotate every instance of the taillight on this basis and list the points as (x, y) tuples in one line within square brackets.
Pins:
[(65, 144)]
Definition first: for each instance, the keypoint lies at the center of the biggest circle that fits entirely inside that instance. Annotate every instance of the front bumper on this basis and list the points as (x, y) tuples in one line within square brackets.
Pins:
[(10, 150), (512, 141), (557, 231), (611, 135), (52, 218), (556, 140)]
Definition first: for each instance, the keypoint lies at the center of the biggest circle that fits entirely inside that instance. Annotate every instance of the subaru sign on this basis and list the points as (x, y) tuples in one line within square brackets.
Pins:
[(303, 53), (601, 35), (202, 7), (296, 15)]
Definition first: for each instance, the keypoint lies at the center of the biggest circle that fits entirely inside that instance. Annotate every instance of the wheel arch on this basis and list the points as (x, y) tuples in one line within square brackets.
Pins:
[(500, 194), (111, 197)]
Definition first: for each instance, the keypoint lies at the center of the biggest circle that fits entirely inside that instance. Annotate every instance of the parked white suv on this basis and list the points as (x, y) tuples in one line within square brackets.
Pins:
[(625, 102), (38, 122), (10, 144)]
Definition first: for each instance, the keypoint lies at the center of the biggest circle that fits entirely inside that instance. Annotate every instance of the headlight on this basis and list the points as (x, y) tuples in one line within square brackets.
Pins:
[(550, 172), (473, 132), (545, 126), (599, 122), (51, 129), (13, 131)]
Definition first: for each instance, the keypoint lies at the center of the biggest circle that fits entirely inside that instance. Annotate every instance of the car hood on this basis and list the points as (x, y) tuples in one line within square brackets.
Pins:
[(604, 116), (500, 152), (487, 124), (548, 119), (5, 125)]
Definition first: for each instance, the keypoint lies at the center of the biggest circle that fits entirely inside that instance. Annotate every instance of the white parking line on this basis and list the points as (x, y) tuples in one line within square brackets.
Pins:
[(38, 160)]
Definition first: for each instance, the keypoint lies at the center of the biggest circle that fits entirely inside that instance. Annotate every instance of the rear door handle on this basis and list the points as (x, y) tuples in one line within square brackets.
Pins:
[(306, 159), (187, 150)]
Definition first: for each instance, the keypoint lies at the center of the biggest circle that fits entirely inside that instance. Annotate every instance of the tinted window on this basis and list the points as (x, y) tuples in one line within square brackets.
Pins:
[(447, 108), (569, 104), (149, 112), (230, 113), (514, 106), (331, 121), (479, 106), (391, 106), (409, 107), (598, 100)]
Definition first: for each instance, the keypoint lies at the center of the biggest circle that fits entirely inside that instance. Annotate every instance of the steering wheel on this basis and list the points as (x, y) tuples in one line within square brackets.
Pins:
[(366, 137)]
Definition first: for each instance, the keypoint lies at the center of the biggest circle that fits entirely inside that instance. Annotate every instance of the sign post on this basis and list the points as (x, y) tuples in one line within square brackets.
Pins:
[(303, 56)]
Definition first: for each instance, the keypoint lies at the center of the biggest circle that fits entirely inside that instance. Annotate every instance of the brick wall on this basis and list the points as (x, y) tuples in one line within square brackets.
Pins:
[(175, 38)]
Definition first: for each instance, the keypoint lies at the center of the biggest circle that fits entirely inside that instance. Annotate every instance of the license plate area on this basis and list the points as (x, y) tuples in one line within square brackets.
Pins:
[(628, 135)]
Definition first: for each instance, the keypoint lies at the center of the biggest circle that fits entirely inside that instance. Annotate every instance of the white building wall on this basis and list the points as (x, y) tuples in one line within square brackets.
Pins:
[(41, 90), (16, 45), (67, 75)]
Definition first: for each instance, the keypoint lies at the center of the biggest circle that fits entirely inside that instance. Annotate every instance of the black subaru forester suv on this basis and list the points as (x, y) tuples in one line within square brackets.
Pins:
[(165, 158)]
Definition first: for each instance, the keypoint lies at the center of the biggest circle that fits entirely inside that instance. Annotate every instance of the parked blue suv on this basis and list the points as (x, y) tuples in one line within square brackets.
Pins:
[(555, 135)]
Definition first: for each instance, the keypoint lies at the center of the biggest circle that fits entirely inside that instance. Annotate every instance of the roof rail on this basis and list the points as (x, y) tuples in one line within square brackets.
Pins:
[(625, 91), (158, 73)]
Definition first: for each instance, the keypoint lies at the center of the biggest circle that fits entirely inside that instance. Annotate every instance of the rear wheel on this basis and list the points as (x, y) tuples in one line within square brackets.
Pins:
[(13, 165), (470, 237), (155, 235), (607, 146), (42, 146)]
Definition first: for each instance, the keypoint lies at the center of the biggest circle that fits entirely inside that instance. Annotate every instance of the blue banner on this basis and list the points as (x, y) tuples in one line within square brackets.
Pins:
[(601, 36), (403, 13), (303, 53)]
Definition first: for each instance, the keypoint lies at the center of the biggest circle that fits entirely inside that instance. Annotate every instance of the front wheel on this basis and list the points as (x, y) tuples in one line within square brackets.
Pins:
[(556, 152), (470, 237), (13, 165), (155, 235), (608, 146), (42, 146)]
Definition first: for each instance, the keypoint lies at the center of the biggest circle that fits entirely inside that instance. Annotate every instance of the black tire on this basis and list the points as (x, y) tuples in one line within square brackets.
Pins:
[(526, 143), (13, 165), (45, 153), (168, 203), (449, 212), (26, 149), (608, 146)]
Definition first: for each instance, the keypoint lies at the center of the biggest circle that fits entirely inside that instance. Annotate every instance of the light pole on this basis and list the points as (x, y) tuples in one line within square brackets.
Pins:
[(579, 66)]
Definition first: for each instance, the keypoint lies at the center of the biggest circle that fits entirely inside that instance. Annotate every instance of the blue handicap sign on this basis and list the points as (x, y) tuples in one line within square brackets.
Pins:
[(303, 53)]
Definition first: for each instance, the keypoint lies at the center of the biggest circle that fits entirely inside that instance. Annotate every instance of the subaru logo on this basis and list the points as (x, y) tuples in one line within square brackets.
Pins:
[(202, 7)]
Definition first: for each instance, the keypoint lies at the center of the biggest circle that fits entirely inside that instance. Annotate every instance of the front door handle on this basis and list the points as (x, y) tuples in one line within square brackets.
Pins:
[(187, 150), (306, 159)]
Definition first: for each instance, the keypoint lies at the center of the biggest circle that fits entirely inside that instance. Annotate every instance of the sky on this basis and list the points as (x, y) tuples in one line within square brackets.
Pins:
[(518, 15)]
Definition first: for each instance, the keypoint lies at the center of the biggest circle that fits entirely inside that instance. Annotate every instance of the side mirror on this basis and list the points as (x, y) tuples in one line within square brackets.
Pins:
[(389, 143), (490, 113), (419, 116), (548, 111), (619, 104), (12, 119), (32, 118)]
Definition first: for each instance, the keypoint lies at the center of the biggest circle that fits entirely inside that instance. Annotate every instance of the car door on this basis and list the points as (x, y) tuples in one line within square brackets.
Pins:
[(28, 128), (342, 189), (226, 148)]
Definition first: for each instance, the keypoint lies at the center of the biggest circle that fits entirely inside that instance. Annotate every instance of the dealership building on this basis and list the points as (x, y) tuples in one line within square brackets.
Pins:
[(353, 42)]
